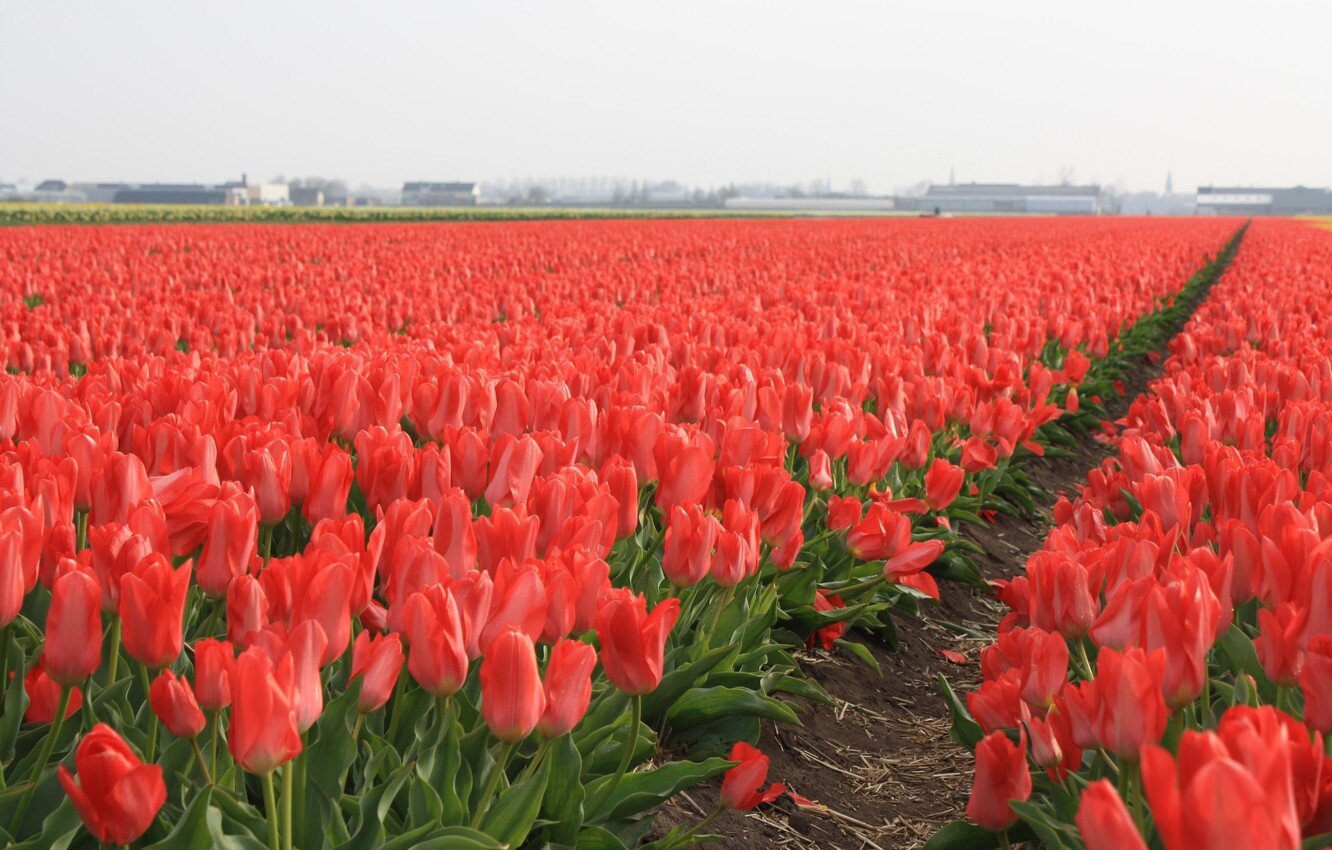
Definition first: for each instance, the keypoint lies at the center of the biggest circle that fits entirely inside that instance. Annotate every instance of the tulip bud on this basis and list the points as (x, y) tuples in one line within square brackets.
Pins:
[(263, 734), (512, 700), (213, 660), (116, 794), (378, 660), (1104, 821), (568, 687), (1001, 776), (174, 704), (229, 544), (44, 696), (152, 607), (73, 629), (632, 641)]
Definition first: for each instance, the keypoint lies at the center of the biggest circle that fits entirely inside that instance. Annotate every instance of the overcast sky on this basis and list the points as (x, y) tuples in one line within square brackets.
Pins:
[(704, 92)]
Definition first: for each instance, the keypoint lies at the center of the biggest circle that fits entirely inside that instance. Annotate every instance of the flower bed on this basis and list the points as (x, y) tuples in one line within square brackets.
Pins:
[(447, 536)]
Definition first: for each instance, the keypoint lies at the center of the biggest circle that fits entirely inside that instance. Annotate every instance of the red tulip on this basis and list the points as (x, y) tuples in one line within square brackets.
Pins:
[(20, 551), (740, 786), (115, 793), (688, 543), (174, 704), (943, 481), (213, 662), (247, 610), (1104, 822), (152, 607), (453, 535), (268, 472), (685, 466), (1130, 710), (263, 733), (513, 463), (622, 480), (378, 661), (978, 455), (567, 686), (229, 544), (44, 695), (843, 512), (1002, 776), (1209, 799), (329, 487), (433, 627), (117, 489), (632, 641), (73, 649), (1316, 682), (1278, 643), (512, 699)]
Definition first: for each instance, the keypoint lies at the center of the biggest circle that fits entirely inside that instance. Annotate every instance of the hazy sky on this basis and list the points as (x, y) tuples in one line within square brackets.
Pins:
[(704, 92)]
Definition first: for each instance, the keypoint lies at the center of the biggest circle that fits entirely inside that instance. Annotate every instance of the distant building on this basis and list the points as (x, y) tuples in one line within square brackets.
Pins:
[(303, 196), (1007, 199), (428, 194), (227, 194), (812, 205), (1246, 201), (267, 194)]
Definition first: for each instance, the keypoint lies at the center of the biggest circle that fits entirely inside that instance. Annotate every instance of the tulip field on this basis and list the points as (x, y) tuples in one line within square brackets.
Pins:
[(468, 536)]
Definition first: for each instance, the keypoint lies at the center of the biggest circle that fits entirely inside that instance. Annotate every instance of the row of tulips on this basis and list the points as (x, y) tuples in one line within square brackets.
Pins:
[(1164, 678), (449, 591)]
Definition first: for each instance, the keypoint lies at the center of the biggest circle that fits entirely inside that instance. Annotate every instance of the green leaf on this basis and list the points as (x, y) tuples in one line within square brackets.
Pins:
[(513, 814), (59, 830), (704, 705), (675, 683), (966, 731), (222, 841), (375, 804), (1053, 835), (963, 835), (564, 799), (1237, 647), (16, 698), (596, 838), (454, 838), (641, 790), (861, 653), (191, 830)]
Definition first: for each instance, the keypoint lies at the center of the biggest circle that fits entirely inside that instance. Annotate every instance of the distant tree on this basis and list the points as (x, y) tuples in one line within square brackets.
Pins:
[(859, 188), (1066, 175)]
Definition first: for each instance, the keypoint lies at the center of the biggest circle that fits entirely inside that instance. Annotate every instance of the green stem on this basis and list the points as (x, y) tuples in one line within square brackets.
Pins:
[(266, 543), (4, 681), (683, 838), (81, 530), (199, 757), (216, 722), (635, 720), (302, 770), (851, 591), (1088, 672), (271, 809), (725, 600), (62, 706), (395, 703), (150, 754), (537, 758), (288, 790), (483, 803), (113, 660), (1003, 841)]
